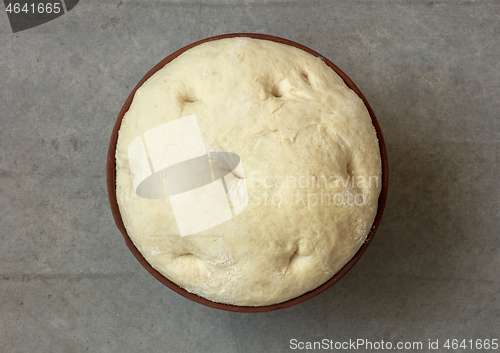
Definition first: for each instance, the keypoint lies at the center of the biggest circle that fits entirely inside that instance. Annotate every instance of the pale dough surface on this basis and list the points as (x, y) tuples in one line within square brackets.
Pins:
[(290, 118)]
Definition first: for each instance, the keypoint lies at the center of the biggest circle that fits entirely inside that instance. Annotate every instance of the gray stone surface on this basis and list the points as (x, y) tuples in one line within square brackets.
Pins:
[(431, 71)]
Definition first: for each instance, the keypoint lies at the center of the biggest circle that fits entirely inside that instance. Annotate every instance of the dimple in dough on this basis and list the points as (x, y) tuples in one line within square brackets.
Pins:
[(301, 134)]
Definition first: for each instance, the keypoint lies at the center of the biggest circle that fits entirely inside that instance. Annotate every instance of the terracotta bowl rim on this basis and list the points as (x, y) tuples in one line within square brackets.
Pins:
[(111, 184)]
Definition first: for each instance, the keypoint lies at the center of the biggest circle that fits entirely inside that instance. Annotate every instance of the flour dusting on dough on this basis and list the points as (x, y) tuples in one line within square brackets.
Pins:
[(301, 134)]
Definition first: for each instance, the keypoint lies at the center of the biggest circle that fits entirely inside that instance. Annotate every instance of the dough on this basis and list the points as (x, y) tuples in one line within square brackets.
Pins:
[(310, 171)]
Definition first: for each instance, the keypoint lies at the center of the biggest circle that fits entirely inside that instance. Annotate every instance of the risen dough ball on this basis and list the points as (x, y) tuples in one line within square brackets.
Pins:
[(311, 164)]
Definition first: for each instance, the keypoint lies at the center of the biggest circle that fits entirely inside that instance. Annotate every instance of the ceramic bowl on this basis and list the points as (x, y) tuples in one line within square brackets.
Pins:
[(111, 183)]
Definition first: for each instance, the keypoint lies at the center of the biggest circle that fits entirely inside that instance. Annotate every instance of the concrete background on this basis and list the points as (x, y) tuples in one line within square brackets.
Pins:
[(431, 71)]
